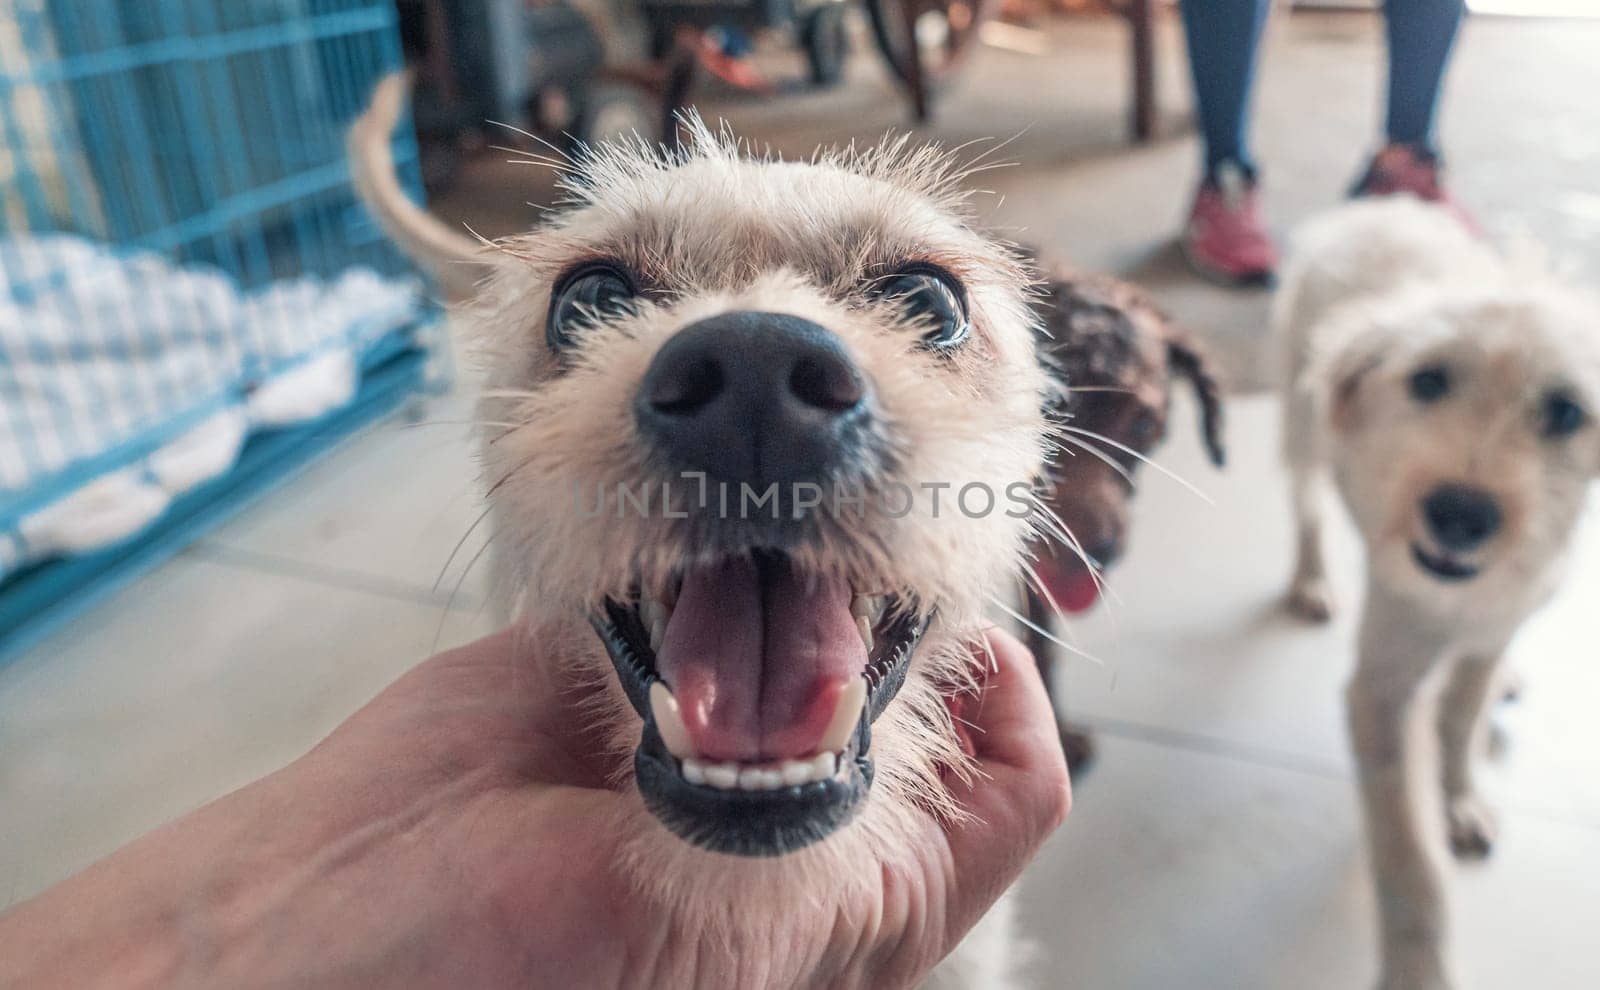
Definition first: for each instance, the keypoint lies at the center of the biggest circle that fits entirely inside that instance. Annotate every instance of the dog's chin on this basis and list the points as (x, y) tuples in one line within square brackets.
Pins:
[(1443, 566), (769, 803), (752, 823)]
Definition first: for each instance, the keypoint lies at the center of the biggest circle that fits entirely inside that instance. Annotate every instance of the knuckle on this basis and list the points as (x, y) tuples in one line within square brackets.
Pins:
[(1057, 797)]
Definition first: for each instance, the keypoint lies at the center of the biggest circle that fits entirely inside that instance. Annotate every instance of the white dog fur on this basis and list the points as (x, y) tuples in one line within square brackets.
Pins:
[(1376, 292), (727, 231)]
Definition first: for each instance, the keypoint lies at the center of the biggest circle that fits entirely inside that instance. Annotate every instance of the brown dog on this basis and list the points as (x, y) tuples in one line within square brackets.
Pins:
[(1119, 357)]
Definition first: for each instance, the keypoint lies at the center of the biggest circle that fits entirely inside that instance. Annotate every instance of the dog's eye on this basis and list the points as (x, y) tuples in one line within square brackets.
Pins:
[(1561, 415), (586, 297), (932, 299), (1429, 384)]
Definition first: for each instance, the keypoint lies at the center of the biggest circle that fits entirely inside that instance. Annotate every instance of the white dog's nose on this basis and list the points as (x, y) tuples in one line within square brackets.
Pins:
[(755, 397), (1461, 517)]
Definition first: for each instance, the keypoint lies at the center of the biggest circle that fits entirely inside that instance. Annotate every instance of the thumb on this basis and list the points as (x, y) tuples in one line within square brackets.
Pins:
[(1021, 791)]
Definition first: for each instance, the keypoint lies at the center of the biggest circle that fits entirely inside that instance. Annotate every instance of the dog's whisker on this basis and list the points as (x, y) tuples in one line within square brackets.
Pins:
[(1000, 603), (977, 164), (1071, 540), (457, 548), (1051, 527), (450, 603), (497, 246), (1032, 579), (460, 422), (521, 466), (1111, 462), (572, 163), (526, 157), (1180, 479)]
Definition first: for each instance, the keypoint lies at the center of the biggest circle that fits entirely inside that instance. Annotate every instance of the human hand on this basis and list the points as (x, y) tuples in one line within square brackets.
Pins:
[(463, 828)]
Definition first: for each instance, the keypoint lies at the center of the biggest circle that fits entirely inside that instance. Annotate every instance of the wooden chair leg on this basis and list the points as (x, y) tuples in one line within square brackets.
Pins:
[(679, 79), (916, 72), (1141, 19)]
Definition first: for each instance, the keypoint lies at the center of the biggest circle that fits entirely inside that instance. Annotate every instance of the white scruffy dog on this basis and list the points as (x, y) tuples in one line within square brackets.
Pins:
[(687, 332), (1450, 399)]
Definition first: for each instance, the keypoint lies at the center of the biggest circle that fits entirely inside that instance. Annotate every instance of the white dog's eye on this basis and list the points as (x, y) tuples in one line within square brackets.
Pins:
[(587, 296), (933, 299), (1429, 384), (1561, 415)]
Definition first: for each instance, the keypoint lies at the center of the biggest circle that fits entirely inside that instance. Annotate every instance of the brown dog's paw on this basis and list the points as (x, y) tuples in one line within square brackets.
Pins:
[(1473, 827), (1311, 600)]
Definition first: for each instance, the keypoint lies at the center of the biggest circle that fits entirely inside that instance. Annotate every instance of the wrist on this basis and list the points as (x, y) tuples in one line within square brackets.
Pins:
[(129, 921), (174, 907)]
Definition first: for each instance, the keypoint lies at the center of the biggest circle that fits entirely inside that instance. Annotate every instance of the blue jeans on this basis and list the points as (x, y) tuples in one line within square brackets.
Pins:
[(1223, 36)]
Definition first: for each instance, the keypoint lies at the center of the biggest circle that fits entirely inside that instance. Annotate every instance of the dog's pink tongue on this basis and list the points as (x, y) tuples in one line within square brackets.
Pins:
[(757, 657), (1075, 590)]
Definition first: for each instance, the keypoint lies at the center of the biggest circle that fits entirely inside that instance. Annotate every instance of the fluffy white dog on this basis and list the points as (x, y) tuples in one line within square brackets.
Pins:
[(1449, 397)]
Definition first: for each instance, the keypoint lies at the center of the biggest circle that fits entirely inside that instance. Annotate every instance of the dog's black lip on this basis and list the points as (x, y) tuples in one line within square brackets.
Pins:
[(1440, 567), (753, 823)]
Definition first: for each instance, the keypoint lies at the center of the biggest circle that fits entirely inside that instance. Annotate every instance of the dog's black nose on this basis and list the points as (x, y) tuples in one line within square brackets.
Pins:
[(756, 398), (1461, 517), (1104, 552)]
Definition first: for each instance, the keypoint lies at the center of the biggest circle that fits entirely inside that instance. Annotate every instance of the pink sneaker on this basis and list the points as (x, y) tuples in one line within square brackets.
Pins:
[(1226, 239), (1399, 170)]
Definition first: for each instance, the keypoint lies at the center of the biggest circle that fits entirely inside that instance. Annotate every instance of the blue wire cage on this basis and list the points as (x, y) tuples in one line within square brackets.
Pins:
[(179, 235)]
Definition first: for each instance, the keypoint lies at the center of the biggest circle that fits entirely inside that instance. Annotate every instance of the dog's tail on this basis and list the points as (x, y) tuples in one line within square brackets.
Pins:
[(454, 260)]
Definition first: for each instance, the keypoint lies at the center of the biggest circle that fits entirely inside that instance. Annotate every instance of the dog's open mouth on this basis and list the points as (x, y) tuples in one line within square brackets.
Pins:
[(1442, 566), (758, 685)]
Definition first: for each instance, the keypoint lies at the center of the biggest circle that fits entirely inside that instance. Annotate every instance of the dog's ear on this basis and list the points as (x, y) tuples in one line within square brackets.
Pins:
[(1341, 378), (1187, 360)]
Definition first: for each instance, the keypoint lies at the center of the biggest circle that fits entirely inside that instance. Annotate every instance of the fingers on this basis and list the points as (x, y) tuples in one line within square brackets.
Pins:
[(1010, 722), (1021, 792)]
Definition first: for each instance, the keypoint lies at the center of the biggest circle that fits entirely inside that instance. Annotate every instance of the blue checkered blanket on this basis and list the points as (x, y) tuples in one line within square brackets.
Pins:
[(125, 380)]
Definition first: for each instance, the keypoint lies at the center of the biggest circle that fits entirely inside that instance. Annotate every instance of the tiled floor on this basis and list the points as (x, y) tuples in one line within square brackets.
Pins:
[(1216, 843), (235, 657)]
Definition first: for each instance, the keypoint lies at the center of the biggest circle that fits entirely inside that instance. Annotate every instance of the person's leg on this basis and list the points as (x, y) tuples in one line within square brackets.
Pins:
[(1421, 34), (1223, 36), (1226, 238)]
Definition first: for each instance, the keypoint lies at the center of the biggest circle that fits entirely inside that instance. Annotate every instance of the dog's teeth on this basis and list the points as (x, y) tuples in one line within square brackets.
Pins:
[(864, 626), (869, 607), (760, 779), (846, 713), (654, 616), (669, 721), (824, 766)]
